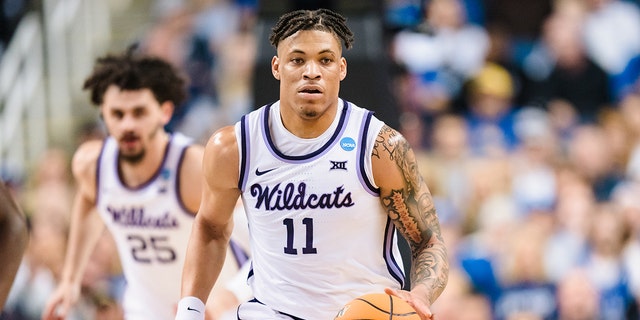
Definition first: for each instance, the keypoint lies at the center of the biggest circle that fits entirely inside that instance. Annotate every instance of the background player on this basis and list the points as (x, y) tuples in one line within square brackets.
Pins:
[(142, 182)]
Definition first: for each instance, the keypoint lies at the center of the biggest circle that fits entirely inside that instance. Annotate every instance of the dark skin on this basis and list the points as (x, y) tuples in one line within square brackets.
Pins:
[(14, 237)]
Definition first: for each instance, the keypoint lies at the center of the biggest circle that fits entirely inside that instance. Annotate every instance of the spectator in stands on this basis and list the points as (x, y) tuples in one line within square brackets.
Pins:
[(172, 38), (625, 197), (525, 288), (509, 271), (490, 112), (572, 215), (612, 33), (577, 298), (440, 54), (459, 302), (591, 155), (630, 109), (561, 75), (626, 81), (604, 262), (619, 137), (533, 162), (448, 164)]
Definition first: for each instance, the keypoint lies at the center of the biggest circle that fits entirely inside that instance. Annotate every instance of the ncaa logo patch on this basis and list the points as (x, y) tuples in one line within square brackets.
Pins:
[(347, 144)]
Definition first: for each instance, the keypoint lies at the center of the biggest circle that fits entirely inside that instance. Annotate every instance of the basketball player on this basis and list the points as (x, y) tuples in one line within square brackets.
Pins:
[(142, 182), (13, 241), (324, 184)]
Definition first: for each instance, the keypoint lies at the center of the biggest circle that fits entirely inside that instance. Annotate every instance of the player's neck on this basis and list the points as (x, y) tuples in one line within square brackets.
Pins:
[(137, 173), (307, 128)]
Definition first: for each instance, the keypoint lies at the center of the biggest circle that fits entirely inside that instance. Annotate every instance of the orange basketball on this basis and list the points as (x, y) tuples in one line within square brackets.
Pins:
[(377, 306)]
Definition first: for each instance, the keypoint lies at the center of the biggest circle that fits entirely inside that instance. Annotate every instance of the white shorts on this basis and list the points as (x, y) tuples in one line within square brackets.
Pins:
[(256, 310)]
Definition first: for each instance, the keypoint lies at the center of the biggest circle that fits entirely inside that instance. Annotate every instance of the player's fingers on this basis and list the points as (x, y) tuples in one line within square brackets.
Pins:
[(423, 311), (402, 294), (392, 292), (424, 315)]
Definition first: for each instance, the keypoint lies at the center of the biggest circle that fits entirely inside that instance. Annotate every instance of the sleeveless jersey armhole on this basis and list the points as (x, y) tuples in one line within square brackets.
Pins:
[(178, 191), (366, 148), (242, 132), (98, 168)]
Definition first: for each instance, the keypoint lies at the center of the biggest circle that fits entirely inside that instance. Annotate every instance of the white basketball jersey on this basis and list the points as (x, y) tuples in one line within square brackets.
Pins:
[(319, 235), (151, 228)]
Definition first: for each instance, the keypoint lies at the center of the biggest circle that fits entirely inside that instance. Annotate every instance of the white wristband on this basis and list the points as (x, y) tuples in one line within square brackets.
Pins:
[(190, 308)]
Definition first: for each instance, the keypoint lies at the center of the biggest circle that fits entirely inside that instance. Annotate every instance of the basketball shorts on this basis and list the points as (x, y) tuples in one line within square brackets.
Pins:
[(256, 310)]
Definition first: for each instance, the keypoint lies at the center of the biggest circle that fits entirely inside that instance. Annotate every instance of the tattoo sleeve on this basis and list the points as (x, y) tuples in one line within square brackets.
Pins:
[(412, 210)]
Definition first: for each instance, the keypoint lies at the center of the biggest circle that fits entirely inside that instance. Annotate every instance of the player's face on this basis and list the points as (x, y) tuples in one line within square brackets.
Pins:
[(310, 67), (133, 118)]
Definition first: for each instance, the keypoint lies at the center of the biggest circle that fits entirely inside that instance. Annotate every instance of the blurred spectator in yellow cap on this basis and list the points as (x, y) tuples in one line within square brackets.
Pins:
[(490, 111), (493, 80)]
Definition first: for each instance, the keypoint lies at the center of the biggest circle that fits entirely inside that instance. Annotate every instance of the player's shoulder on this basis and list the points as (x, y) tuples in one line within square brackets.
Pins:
[(221, 150), (88, 151), (389, 145), (86, 156), (223, 140), (193, 153), (191, 166), (389, 135)]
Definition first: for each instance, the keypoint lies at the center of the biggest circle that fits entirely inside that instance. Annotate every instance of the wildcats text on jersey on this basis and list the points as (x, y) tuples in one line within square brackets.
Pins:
[(136, 217), (292, 197)]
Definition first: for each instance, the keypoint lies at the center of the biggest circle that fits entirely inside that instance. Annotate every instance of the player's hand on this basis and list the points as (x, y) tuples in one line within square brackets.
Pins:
[(59, 305), (417, 301)]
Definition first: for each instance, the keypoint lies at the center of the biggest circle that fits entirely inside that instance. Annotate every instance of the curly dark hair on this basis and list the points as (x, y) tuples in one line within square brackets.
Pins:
[(320, 19), (130, 71)]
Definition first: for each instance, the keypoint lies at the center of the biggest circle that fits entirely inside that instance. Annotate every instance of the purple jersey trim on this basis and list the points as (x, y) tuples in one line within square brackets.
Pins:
[(239, 254), (244, 152), (177, 184), (152, 178), (266, 134), (98, 165), (392, 265), (362, 175)]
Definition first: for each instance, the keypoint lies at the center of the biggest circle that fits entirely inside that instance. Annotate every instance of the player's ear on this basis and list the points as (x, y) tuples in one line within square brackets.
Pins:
[(166, 108), (343, 68), (275, 67)]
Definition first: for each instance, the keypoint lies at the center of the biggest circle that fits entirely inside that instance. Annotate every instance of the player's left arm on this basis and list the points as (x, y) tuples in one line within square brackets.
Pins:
[(408, 202)]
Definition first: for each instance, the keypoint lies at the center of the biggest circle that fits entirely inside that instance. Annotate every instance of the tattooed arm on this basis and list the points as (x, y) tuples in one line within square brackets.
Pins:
[(408, 202)]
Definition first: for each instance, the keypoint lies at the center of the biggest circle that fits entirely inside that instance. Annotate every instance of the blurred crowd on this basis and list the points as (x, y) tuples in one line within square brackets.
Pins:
[(525, 119)]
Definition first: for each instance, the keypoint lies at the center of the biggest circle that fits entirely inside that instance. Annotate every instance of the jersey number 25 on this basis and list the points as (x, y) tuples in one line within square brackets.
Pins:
[(153, 248)]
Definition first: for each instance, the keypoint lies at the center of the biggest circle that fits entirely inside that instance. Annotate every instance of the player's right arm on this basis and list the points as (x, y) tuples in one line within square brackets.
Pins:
[(213, 224), (14, 237), (85, 230)]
